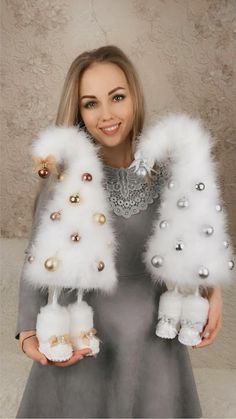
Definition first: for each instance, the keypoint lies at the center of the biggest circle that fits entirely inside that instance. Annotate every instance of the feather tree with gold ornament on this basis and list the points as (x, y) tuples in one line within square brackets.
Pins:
[(74, 244)]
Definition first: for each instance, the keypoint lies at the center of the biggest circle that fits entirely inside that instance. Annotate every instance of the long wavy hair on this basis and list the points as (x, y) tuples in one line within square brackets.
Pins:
[(68, 110)]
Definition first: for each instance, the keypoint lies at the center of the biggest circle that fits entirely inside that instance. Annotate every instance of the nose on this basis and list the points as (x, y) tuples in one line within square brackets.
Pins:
[(106, 113)]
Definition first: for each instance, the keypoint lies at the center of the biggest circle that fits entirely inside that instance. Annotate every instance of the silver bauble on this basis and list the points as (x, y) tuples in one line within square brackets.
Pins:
[(218, 208), (208, 230), (226, 244), (157, 261), (183, 203), (142, 171), (203, 272), (179, 245), (231, 265), (163, 224), (171, 184), (200, 186)]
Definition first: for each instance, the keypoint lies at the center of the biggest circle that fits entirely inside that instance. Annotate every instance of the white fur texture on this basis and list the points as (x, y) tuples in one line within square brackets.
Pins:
[(187, 145), (78, 261), (53, 320), (81, 321)]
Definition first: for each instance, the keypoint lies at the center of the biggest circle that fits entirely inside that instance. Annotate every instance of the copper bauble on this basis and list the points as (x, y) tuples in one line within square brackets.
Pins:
[(60, 177), (75, 199), (100, 218), (51, 264), (86, 177), (30, 258), (75, 237), (43, 173), (101, 266), (55, 216)]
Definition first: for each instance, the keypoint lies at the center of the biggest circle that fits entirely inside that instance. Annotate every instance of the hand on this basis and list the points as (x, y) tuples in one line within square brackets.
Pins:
[(214, 321), (31, 350)]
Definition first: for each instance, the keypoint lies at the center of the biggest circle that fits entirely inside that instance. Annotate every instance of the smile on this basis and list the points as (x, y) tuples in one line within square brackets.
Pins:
[(111, 130)]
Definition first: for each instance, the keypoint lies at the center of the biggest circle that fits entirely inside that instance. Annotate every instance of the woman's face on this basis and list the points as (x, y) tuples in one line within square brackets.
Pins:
[(106, 105)]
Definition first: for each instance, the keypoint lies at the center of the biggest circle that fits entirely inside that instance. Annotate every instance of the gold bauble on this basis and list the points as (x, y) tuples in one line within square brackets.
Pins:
[(75, 199), (100, 218), (60, 177), (101, 266), (51, 264)]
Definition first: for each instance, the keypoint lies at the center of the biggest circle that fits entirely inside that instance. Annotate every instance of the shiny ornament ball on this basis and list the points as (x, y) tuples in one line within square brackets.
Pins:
[(30, 258), (200, 186), (86, 177), (218, 208), (183, 203), (75, 199), (55, 216), (51, 264), (43, 173), (142, 171), (231, 265), (163, 224), (203, 272), (101, 266), (100, 218), (157, 261), (75, 237), (179, 246), (226, 244), (171, 184), (208, 230)]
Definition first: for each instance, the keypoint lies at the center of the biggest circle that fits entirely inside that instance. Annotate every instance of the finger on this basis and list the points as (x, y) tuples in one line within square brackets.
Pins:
[(32, 352), (75, 358), (212, 335)]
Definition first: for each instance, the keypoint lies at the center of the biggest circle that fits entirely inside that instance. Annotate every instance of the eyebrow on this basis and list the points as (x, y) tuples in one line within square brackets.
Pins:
[(94, 97)]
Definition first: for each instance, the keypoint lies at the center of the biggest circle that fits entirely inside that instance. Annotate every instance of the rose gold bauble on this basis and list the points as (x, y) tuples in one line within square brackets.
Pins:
[(101, 266), (55, 216), (75, 237), (86, 177)]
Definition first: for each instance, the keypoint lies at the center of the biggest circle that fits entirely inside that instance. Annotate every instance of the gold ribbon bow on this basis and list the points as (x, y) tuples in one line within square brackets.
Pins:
[(85, 336), (56, 340), (48, 162)]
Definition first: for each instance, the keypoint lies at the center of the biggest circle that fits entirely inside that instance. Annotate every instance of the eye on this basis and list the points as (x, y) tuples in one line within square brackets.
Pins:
[(118, 98), (90, 104)]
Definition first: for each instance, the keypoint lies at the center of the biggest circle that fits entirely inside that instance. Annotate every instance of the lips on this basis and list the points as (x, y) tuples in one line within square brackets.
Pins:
[(110, 130)]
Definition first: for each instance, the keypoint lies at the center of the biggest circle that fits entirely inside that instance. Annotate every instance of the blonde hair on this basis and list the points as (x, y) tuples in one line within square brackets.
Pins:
[(68, 110)]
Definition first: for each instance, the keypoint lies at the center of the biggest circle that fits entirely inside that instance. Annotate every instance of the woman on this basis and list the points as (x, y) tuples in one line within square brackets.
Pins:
[(136, 374)]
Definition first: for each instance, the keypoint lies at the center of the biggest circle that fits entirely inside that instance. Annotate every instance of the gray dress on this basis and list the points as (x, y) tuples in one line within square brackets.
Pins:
[(136, 374)]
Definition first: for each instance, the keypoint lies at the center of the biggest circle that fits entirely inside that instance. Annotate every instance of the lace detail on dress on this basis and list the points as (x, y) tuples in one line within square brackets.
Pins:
[(129, 193)]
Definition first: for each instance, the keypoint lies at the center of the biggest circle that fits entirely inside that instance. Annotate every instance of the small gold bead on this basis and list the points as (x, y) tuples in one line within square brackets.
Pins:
[(60, 177), (101, 266), (51, 264), (100, 218), (75, 199)]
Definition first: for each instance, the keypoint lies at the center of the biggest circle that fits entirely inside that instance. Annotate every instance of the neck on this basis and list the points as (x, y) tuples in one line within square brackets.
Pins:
[(118, 156)]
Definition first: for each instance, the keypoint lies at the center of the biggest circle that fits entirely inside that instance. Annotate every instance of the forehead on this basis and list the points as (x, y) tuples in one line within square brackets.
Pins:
[(102, 77)]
